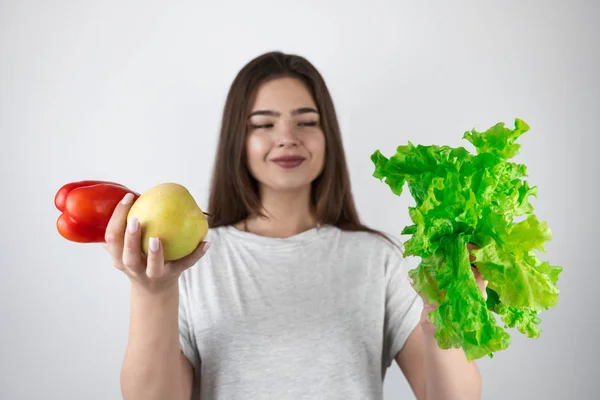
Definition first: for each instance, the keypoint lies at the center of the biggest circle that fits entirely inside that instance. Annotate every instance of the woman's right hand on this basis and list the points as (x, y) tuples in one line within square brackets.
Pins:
[(152, 273)]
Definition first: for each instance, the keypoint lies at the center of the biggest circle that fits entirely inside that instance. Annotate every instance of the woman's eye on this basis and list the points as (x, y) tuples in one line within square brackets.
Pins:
[(262, 126), (308, 123)]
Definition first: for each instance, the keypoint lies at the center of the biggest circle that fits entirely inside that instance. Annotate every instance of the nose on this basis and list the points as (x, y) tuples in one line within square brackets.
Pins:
[(286, 136)]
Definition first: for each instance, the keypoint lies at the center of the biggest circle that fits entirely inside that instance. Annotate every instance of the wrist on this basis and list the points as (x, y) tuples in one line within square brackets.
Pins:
[(163, 291)]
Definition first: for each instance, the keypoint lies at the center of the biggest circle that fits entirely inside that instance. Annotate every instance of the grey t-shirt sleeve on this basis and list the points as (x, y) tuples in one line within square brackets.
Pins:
[(403, 306), (186, 339)]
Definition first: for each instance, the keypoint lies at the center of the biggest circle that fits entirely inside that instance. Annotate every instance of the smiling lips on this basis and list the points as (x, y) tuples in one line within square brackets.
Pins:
[(288, 161)]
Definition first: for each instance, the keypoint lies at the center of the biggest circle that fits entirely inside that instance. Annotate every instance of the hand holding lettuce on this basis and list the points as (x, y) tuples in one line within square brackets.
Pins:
[(463, 198)]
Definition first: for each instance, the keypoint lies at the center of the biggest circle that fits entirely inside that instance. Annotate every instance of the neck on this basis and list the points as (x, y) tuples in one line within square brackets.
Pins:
[(286, 214)]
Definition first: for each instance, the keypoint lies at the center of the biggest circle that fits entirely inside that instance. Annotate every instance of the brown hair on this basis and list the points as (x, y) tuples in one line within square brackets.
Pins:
[(234, 191)]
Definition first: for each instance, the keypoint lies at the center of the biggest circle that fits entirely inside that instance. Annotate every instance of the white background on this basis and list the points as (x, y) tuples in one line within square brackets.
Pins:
[(133, 92)]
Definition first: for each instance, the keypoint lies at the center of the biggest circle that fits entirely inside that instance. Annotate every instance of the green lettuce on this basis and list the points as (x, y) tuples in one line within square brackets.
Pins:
[(483, 199)]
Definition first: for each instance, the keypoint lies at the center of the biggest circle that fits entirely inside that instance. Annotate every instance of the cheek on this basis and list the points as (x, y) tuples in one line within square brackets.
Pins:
[(316, 146), (257, 148)]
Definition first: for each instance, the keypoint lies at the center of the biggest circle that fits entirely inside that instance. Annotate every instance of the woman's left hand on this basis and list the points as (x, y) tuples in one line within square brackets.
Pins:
[(478, 275), (482, 284)]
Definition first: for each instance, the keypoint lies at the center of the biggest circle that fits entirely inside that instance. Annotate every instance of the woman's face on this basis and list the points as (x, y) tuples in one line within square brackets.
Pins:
[(285, 144)]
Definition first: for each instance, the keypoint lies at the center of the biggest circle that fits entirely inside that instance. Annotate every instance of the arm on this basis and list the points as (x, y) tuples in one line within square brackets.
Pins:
[(154, 366), (434, 373)]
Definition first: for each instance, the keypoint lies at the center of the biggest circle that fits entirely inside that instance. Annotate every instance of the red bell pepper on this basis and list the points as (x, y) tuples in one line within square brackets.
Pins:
[(86, 208), (80, 233)]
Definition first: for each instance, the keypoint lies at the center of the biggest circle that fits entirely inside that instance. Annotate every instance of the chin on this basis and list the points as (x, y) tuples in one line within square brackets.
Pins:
[(293, 180), (287, 184)]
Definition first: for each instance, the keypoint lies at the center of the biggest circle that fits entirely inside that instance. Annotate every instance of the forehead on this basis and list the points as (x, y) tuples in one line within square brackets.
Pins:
[(283, 94)]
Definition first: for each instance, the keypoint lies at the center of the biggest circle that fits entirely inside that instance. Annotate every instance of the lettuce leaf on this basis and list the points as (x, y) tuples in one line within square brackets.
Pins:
[(483, 199)]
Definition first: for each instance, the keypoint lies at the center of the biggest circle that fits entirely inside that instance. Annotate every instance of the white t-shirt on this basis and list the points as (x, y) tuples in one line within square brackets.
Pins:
[(319, 315)]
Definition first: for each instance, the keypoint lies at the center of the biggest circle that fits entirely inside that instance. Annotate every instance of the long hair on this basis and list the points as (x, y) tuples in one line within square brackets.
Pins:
[(234, 192)]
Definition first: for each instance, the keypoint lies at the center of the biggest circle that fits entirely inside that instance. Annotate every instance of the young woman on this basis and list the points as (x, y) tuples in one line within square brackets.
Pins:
[(296, 299)]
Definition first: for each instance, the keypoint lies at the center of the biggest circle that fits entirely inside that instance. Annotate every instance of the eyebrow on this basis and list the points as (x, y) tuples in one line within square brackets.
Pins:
[(298, 111)]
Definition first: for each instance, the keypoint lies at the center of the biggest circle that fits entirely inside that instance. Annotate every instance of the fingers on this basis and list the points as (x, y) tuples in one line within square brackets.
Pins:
[(470, 248), (155, 267), (115, 230), (481, 283), (132, 247), (187, 261)]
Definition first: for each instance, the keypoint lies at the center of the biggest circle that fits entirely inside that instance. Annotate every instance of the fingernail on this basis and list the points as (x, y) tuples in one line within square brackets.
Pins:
[(206, 246), (153, 244), (410, 280), (133, 225), (127, 199)]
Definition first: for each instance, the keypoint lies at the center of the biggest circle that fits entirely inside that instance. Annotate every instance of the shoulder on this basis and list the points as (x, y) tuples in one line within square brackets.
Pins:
[(387, 248), (219, 231), (382, 241)]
